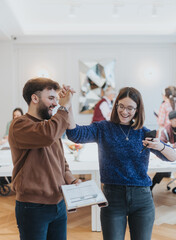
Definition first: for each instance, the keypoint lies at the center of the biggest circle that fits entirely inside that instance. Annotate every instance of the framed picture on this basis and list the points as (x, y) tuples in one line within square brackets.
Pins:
[(95, 77)]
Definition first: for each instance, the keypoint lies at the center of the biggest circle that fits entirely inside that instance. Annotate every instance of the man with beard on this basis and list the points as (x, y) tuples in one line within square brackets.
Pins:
[(40, 167)]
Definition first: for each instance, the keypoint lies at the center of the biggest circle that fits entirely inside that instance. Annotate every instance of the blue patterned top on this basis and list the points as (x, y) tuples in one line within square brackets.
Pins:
[(120, 160)]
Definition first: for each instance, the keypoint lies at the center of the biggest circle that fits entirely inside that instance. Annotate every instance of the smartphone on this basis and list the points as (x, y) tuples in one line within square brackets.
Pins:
[(151, 134)]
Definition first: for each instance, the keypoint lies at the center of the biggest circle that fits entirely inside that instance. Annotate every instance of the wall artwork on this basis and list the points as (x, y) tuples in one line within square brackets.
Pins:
[(95, 77)]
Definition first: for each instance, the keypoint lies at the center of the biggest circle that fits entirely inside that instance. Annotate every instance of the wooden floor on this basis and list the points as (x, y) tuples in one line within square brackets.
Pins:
[(79, 223)]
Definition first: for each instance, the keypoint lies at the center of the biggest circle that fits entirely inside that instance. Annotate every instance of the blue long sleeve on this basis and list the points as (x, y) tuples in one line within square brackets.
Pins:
[(120, 160)]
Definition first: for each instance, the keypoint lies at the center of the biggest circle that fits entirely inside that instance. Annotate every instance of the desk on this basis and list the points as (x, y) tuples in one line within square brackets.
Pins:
[(5, 163), (88, 164), (157, 165)]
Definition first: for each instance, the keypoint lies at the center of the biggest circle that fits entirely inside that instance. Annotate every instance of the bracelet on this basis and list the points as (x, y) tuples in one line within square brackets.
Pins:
[(63, 108), (73, 181), (162, 148)]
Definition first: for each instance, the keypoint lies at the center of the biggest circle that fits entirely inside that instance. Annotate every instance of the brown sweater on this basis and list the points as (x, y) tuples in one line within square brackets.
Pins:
[(40, 167)]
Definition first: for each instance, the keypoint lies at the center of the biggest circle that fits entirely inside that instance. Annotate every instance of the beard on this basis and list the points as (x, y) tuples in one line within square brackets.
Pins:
[(43, 111)]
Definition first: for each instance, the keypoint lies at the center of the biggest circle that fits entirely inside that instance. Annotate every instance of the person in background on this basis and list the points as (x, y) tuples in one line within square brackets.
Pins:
[(123, 167), (17, 112), (168, 105), (103, 108), (40, 167), (168, 135)]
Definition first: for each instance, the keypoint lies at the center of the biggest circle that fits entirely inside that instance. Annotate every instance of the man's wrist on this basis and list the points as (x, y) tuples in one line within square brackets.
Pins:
[(63, 108), (74, 181)]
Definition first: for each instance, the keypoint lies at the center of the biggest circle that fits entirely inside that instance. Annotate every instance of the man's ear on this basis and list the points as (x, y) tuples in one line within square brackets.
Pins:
[(34, 98)]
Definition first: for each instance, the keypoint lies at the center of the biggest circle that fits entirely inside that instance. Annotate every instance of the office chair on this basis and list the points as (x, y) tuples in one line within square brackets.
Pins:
[(4, 188), (174, 189)]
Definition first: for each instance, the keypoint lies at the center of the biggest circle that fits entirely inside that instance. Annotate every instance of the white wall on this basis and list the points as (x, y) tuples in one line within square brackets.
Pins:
[(6, 85), (148, 67)]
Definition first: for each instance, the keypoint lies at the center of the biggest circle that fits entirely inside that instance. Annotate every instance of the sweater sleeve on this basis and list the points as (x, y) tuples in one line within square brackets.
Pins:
[(84, 134), (69, 178), (27, 134), (159, 154)]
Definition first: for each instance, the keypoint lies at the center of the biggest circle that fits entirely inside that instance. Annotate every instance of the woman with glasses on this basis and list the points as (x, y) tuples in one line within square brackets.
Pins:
[(123, 166)]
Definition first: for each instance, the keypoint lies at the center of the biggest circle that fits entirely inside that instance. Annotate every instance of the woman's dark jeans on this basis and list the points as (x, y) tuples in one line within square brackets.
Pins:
[(41, 221), (127, 203)]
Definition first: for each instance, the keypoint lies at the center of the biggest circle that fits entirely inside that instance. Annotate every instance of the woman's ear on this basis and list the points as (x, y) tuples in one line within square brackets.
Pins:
[(35, 98)]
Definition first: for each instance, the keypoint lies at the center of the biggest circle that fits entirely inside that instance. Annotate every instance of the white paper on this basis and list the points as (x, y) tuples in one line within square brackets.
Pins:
[(84, 194)]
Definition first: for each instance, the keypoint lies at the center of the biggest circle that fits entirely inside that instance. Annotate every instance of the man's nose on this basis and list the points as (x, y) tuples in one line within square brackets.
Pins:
[(55, 102)]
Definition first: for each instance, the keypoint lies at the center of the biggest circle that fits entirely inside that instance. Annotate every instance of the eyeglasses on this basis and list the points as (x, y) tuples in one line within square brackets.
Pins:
[(129, 109)]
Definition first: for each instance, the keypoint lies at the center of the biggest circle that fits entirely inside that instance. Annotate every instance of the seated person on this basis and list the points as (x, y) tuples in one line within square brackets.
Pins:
[(17, 112), (168, 135), (103, 108)]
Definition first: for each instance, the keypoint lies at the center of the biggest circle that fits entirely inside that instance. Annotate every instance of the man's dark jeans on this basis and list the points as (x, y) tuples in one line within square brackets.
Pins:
[(41, 221)]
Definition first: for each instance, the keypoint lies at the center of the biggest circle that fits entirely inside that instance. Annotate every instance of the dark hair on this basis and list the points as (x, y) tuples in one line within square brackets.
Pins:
[(18, 109), (38, 84), (135, 95), (172, 115), (170, 93)]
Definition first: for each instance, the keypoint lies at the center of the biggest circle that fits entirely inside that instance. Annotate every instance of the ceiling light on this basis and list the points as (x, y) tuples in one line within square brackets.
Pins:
[(43, 73), (117, 4), (115, 11), (154, 11), (72, 11)]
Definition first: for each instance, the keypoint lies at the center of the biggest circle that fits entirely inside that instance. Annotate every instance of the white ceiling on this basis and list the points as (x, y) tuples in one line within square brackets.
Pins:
[(21, 18)]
